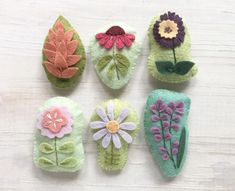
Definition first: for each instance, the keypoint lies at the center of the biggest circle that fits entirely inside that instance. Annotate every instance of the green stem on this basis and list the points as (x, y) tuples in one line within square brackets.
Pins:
[(173, 49), (115, 64), (56, 154), (173, 160)]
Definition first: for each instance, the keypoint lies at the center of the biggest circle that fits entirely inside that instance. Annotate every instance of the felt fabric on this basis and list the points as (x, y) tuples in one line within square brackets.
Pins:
[(60, 150), (115, 60), (162, 54), (166, 131), (114, 125), (72, 57)]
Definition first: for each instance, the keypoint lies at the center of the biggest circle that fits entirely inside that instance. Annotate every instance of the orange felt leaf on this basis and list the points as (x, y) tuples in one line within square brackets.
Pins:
[(69, 72), (68, 35), (72, 46), (73, 59), (59, 26), (51, 36), (52, 69), (62, 49), (50, 46), (50, 55), (60, 61)]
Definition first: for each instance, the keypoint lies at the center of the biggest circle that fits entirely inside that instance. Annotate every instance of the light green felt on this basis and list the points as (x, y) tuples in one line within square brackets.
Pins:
[(132, 53), (66, 83), (112, 159), (66, 154), (166, 167), (159, 53)]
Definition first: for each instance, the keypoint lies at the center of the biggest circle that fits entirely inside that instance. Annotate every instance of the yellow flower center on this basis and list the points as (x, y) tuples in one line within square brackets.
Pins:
[(168, 29), (112, 126)]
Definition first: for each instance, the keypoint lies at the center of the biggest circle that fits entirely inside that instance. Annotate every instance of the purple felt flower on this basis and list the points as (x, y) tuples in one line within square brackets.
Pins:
[(174, 151), (111, 129), (165, 156), (169, 30)]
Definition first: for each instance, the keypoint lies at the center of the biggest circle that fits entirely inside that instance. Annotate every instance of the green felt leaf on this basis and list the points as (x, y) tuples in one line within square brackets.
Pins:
[(165, 67), (123, 63), (69, 162), (111, 70), (67, 147), (46, 148), (45, 162), (183, 67), (103, 62), (180, 154)]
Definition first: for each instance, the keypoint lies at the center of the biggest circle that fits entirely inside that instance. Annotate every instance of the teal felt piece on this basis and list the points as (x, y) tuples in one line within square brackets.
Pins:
[(64, 153), (165, 127)]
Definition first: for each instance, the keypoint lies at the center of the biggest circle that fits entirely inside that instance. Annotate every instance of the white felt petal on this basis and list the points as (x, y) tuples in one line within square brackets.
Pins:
[(125, 136), (102, 114), (99, 134), (127, 126), (106, 140), (110, 108), (123, 114), (116, 141), (97, 124)]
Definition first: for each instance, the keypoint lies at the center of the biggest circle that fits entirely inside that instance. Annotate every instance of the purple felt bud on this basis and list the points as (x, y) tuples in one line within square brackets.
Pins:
[(164, 117), (159, 104), (174, 151), (153, 108), (162, 150), (175, 144), (172, 105), (165, 156), (168, 110), (175, 126), (162, 108), (180, 111), (180, 104), (165, 125), (155, 130), (168, 136), (155, 118), (176, 118), (158, 137)]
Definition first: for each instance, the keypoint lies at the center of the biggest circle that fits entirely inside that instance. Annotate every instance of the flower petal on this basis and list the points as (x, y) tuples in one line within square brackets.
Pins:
[(97, 124), (127, 41), (128, 126), (125, 136), (50, 46), (73, 59), (102, 114), (60, 61), (106, 140), (130, 36), (72, 46), (116, 141), (50, 55), (110, 108), (123, 114), (100, 36), (104, 40), (119, 43), (99, 134), (109, 44), (68, 35), (52, 69), (69, 72)]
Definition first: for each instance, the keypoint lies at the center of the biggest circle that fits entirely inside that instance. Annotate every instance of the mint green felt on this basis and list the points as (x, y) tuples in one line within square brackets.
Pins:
[(166, 167), (66, 83), (112, 159), (131, 53), (64, 154), (159, 53)]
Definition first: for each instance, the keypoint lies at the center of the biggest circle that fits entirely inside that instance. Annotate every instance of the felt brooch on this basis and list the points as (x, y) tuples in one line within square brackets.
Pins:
[(64, 56), (114, 124), (58, 139), (114, 53), (165, 127), (169, 58)]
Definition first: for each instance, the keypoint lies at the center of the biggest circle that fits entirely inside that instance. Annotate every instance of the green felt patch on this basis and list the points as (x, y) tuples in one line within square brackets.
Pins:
[(64, 154), (115, 67), (158, 141), (160, 59), (111, 158), (66, 83)]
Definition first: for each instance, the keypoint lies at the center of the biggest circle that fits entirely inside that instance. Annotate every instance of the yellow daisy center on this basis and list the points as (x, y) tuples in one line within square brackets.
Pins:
[(168, 29), (112, 126)]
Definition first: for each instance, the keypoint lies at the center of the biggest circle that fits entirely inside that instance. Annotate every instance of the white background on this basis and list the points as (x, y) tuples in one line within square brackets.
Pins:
[(24, 87)]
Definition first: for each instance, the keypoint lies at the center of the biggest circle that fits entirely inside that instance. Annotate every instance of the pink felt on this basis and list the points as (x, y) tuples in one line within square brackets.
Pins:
[(73, 59), (69, 72)]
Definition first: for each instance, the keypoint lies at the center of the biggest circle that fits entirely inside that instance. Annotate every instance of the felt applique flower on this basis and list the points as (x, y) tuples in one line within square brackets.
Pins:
[(110, 129), (169, 30), (55, 122), (115, 36), (59, 49)]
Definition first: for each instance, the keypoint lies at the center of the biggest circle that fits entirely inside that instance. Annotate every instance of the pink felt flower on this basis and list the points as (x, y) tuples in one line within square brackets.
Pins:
[(115, 36), (55, 122)]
